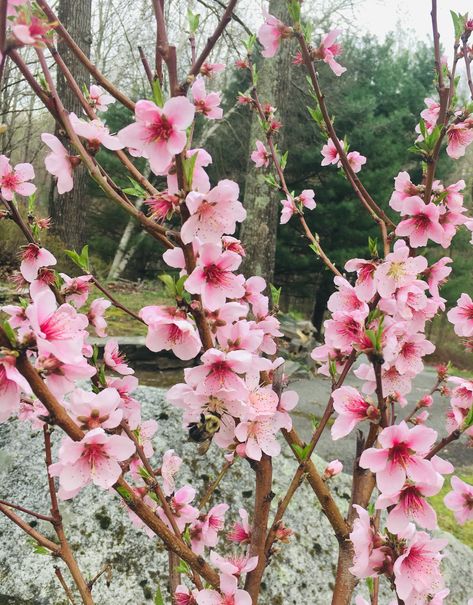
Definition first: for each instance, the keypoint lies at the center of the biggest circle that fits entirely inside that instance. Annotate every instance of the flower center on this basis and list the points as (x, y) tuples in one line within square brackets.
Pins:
[(160, 130)]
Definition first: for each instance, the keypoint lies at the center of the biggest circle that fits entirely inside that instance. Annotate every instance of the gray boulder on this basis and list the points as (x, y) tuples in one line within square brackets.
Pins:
[(100, 533)]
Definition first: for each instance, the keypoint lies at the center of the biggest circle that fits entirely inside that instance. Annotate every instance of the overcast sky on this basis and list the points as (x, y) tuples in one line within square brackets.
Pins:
[(412, 16)]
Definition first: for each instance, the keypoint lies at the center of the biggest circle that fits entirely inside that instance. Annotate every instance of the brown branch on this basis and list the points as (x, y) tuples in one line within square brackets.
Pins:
[(86, 62), (213, 486), (376, 212), (146, 67), (64, 585), (211, 41), (60, 417), (263, 497), (28, 511), (454, 435), (114, 301), (38, 537)]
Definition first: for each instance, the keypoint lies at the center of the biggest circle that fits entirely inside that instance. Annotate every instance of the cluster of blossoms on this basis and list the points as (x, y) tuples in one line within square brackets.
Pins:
[(228, 396)]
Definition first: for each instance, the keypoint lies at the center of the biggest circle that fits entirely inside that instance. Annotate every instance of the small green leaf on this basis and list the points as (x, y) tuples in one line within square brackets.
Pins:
[(169, 284), (10, 333), (193, 19), (283, 160), (183, 567), (294, 8), (124, 493), (302, 452), (469, 419), (275, 294), (158, 597), (157, 93), (458, 24), (250, 44), (373, 247), (189, 165), (271, 181), (144, 473), (180, 285), (81, 260)]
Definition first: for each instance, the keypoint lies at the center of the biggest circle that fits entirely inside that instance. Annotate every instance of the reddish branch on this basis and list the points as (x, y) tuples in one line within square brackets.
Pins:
[(60, 417)]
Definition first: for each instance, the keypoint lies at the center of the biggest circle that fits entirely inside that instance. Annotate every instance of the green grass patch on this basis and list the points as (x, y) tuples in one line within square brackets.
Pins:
[(446, 519)]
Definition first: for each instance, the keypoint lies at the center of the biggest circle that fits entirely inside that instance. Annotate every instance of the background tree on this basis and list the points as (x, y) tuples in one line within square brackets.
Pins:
[(68, 211)]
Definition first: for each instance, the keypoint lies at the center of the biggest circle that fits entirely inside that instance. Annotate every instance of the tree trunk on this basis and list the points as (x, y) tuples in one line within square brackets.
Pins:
[(259, 231), (68, 211)]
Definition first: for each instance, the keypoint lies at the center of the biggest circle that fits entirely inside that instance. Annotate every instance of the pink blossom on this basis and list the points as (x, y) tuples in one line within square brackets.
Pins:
[(461, 316), (401, 456), (346, 300), (211, 69), (410, 350), (180, 505), (287, 402), (213, 278), (12, 385), (60, 377), (356, 160), (332, 469), (15, 180), (169, 329), (234, 565), (12, 6), (352, 408), (330, 153), (431, 113), (271, 33), (368, 554), (30, 32), (95, 132), (162, 206), (76, 289), (229, 593), (200, 179), (213, 213), (170, 467), (398, 269), (365, 286), (95, 458), (116, 360), (220, 370), (239, 335), (437, 274), (58, 331), (403, 189), (288, 209), (159, 133), (183, 596), (96, 318), (204, 532), (261, 155), (58, 163), (144, 433), (205, 103), (409, 504), (92, 410), (258, 431), (33, 259), (131, 408), (423, 225), (459, 137), (460, 500), (329, 49), (241, 532), (417, 570), (233, 245), (99, 98), (344, 330)]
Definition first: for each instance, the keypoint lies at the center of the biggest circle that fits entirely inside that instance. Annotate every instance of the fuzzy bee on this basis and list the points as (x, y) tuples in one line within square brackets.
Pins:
[(203, 431)]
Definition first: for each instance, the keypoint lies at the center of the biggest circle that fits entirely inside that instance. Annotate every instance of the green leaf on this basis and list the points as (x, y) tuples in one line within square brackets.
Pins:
[(294, 9), (144, 473), (458, 24), (271, 181), (136, 191), (158, 597), (373, 247), (194, 19), (10, 332), (81, 260), (283, 160), (250, 44), (124, 493), (275, 294), (180, 285), (302, 452), (469, 419), (158, 97), (189, 165), (183, 567), (169, 284), (37, 548)]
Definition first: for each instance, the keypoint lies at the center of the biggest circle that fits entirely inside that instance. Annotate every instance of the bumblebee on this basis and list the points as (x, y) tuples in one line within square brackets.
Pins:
[(203, 431)]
